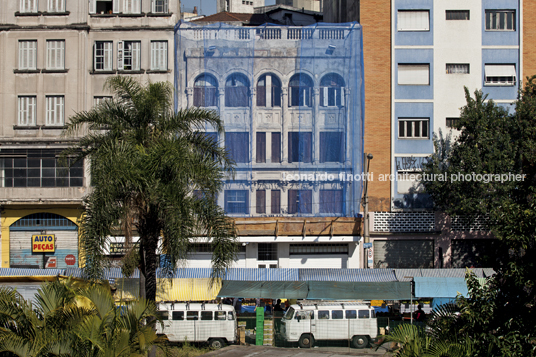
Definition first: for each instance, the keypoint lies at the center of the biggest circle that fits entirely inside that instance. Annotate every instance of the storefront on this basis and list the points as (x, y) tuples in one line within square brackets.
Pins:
[(40, 240)]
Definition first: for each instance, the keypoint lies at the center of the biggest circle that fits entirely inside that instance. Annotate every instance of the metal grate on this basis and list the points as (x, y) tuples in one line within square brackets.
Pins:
[(404, 221), (41, 220)]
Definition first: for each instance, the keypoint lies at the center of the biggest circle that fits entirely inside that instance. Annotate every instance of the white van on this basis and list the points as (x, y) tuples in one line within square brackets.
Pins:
[(212, 323), (334, 321)]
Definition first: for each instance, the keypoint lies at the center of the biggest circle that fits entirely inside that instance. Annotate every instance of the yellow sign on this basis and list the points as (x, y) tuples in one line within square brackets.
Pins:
[(43, 243)]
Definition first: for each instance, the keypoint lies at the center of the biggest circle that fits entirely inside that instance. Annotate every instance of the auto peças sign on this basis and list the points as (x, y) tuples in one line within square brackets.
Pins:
[(43, 243)]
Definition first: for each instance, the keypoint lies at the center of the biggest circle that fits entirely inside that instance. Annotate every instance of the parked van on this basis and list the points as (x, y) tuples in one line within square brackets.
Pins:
[(212, 323), (309, 322)]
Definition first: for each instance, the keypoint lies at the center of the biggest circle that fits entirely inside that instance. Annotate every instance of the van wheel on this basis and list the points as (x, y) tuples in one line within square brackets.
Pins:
[(360, 341), (216, 343), (306, 341)]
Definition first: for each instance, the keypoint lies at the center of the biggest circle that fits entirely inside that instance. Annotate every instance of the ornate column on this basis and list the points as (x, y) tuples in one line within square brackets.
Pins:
[(285, 123), (316, 125), (349, 131), (189, 97), (253, 124)]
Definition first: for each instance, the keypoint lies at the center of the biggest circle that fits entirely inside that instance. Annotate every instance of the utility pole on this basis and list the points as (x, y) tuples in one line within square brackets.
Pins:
[(366, 234)]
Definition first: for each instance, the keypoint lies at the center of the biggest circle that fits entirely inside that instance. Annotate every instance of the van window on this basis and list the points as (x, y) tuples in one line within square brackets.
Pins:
[(305, 315), (206, 315), (163, 315), (289, 313), (364, 314), (231, 315), (336, 314), (192, 315), (372, 313), (323, 315), (351, 314), (220, 315), (178, 315)]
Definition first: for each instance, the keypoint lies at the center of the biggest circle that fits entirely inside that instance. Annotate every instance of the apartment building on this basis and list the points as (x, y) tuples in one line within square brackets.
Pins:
[(55, 56), (428, 51)]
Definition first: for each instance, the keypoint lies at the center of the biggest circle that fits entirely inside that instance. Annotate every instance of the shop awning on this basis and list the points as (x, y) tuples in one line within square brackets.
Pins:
[(265, 289), (326, 290), (438, 287), (348, 275)]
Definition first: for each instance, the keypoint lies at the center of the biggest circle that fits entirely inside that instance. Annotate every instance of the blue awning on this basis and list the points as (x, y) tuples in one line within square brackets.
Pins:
[(348, 275), (426, 287), (252, 274), (329, 290)]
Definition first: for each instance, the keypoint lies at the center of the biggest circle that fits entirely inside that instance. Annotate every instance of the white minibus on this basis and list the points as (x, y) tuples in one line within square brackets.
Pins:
[(310, 322), (212, 323)]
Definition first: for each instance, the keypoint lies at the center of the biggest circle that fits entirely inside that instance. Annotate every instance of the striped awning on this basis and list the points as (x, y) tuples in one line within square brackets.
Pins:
[(252, 274), (348, 275), (408, 274), (30, 272)]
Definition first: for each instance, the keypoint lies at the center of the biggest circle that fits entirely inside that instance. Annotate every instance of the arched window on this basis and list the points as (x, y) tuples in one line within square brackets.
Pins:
[(237, 91), (300, 89), (268, 91), (332, 91), (205, 91)]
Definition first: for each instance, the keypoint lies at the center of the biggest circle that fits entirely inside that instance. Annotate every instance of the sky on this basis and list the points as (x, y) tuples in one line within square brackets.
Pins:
[(206, 7)]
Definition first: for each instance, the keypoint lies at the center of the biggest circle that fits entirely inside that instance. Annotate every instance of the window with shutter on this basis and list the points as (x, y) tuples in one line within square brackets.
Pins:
[(276, 148), (28, 55), (413, 20), (261, 201), (159, 55), (414, 74), (54, 110), (103, 55), (56, 6), (26, 109), (276, 201), (55, 54), (261, 148)]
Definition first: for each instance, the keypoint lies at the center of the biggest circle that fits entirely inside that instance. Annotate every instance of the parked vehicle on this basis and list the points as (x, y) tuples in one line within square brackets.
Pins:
[(212, 323), (310, 322)]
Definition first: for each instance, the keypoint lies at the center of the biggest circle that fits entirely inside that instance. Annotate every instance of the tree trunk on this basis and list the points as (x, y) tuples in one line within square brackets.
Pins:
[(149, 230)]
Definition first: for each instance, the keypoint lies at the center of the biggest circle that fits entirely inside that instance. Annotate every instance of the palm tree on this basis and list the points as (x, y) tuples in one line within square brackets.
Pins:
[(152, 168), (71, 320)]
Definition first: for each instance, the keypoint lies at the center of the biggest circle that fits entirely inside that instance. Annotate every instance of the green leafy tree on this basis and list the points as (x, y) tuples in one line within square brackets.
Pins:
[(501, 315), (69, 319), (153, 169)]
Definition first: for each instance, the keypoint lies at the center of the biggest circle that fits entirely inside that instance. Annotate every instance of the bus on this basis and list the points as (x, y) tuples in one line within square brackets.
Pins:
[(193, 322), (309, 322)]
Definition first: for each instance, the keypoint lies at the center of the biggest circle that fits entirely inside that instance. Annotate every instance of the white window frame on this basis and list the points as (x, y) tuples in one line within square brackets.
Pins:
[(55, 54), (504, 79), (56, 6), (500, 14), (413, 20), (159, 55), (414, 74), (415, 125), (131, 6), (107, 55), (457, 68), (28, 54), (55, 109), (453, 14), (405, 184), (26, 110), (93, 6), (128, 50), (28, 6), (157, 4), (97, 100)]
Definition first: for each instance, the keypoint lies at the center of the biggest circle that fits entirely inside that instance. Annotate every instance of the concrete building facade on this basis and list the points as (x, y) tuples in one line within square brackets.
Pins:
[(55, 57)]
